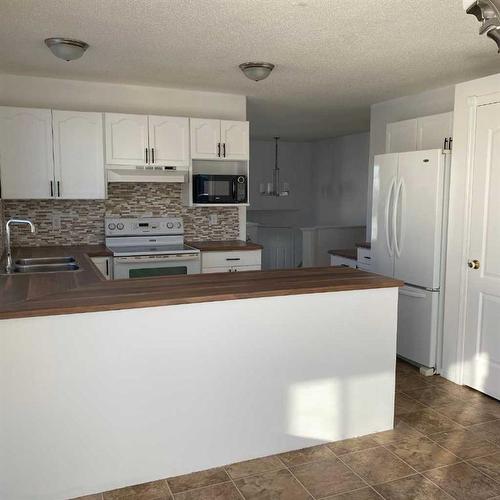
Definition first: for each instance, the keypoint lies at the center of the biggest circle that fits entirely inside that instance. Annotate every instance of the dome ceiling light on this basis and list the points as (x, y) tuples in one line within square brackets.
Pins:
[(487, 13), (66, 48), (256, 70)]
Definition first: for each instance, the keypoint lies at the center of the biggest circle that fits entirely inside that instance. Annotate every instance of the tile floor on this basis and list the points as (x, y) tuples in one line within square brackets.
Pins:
[(445, 444)]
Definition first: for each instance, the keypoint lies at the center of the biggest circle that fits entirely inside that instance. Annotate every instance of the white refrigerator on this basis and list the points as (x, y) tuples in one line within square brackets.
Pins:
[(409, 225)]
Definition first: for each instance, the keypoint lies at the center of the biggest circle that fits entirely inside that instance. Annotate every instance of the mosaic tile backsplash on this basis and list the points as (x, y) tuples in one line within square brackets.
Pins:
[(77, 222)]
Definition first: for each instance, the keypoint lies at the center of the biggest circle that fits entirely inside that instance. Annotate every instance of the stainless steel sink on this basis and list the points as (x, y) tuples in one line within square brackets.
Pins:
[(46, 265)]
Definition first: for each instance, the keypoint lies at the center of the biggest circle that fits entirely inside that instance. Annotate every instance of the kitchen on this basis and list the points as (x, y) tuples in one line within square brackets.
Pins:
[(163, 336)]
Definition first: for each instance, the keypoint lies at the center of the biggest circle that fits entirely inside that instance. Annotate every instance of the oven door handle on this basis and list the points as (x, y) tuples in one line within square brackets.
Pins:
[(234, 190)]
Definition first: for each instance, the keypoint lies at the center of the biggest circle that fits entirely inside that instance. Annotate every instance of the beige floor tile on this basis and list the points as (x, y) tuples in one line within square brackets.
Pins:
[(257, 466), (224, 491), (305, 455), (363, 494), (328, 477), (490, 431), (414, 488), (354, 444), (489, 465), (405, 404), (276, 485), (430, 422), (409, 382), (197, 480), (401, 431), (432, 396), (377, 465), (465, 444), (155, 490), (422, 454), (467, 414), (463, 482)]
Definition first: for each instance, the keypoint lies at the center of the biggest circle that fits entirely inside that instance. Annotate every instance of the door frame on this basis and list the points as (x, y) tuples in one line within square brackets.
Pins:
[(468, 98)]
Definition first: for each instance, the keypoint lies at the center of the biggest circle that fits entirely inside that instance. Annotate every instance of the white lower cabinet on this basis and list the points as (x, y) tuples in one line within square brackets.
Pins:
[(338, 260), (231, 261), (105, 266), (364, 259)]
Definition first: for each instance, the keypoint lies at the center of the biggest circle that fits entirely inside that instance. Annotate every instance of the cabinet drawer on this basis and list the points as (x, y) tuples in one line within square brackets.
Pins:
[(338, 260), (364, 256), (231, 259)]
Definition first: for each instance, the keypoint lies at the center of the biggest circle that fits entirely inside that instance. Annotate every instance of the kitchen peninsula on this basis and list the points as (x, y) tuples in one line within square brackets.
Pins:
[(102, 390)]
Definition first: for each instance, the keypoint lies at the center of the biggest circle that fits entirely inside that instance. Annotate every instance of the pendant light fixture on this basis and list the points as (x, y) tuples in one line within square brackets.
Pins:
[(256, 71), (66, 48), (275, 188)]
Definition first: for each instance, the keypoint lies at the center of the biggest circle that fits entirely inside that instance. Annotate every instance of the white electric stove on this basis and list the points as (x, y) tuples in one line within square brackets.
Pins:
[(149, 247)]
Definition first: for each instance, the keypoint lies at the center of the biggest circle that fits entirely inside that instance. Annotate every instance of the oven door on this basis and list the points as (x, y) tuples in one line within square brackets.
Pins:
[(153, 266), (214, 189)]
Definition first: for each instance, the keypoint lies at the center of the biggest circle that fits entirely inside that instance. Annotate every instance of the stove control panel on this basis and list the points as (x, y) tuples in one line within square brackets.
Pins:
[(115, 226)]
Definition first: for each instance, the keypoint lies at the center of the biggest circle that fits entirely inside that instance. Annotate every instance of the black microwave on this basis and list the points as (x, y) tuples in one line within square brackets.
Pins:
[(220, 188)]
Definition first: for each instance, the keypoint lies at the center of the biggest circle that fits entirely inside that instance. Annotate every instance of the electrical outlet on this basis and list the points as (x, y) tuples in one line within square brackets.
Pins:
[(212, 219), (56, 222)]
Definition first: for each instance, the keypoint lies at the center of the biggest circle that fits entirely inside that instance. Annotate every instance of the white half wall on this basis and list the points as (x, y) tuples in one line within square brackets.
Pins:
[(403, 108), (92, 402)]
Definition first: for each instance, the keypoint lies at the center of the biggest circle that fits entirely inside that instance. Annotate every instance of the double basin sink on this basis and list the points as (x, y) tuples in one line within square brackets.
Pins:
[(45, 265)]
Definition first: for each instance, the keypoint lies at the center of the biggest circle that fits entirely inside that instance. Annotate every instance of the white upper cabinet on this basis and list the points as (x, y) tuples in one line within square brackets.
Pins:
[(401, 136), (78, 155), (434, 130), (219, 139), (234, 137), (26, 161), (419, 134), (169, 140), (126, 139), (205, 139)]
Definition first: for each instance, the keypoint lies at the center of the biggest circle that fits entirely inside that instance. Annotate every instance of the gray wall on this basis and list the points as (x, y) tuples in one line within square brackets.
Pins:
[(404, 108)]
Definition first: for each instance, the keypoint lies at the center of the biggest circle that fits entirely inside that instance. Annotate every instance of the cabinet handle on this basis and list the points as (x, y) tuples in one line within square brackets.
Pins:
[(147, 156), (450, 142), (51, 189), (446, 143), (152, 155), (224, 149), (233, 258), (218, 149), (58, 189), (107, 267)]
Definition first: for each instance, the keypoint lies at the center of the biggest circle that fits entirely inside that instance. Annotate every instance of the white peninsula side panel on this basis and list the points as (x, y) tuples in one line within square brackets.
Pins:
[(96, 401)]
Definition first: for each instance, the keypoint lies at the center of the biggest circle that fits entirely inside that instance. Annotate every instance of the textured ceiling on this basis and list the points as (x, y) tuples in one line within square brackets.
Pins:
[(333, 58)]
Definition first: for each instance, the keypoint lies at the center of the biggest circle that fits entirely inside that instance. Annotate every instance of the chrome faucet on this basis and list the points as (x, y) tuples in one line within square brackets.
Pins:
[(9, 267)]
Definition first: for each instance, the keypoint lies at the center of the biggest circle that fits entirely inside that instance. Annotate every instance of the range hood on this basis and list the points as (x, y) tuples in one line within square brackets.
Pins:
[(146, 173)]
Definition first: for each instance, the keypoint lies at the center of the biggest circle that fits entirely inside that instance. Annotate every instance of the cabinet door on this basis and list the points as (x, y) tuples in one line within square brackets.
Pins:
[(78, 155), (126, 139), (401, 136), (169, 140), (235, 140), (104, 265), (26, 161), (205, 139), (433, 130)]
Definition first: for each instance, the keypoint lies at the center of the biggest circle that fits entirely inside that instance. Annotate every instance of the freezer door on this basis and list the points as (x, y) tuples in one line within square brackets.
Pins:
[(418, 218), (384, 189), (418, 320)]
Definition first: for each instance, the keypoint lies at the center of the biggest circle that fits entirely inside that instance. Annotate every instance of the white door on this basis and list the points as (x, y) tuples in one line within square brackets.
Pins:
[(78, 155), (26, 161), (418, 218), (418, 325), (401, 136), (126, 139), (433, 130), (169, 140), (482, 340), (205, 139), (385, 173), (235, 137)]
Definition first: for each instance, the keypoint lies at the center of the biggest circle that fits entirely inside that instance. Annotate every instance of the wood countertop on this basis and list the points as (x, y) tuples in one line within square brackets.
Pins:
[(348, 253), (85, 290), (224, 246)]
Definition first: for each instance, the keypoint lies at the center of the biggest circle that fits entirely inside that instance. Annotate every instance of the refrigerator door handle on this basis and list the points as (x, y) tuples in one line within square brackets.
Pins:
[(398, 240), (389, 214)]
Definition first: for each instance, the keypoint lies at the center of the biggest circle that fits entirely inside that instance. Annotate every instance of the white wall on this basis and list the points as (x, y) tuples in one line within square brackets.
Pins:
[(340, 180), (96, 401), (98, 96), (404, 108)]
